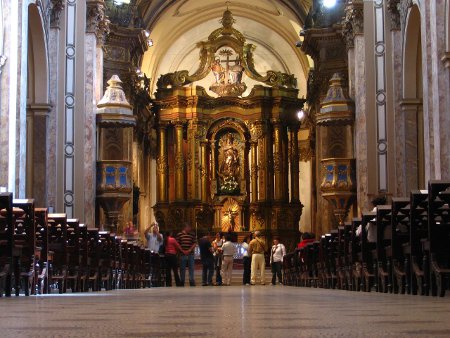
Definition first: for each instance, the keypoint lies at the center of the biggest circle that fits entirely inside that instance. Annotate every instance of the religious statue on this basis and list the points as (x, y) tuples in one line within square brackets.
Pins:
[(229, 169), (218, 71), (236, 72)]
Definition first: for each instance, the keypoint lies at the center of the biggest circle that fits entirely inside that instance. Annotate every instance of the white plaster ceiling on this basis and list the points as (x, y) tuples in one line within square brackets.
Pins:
[(272, 26)]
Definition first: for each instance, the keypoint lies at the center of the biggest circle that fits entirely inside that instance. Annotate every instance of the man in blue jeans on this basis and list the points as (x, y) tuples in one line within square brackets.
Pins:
[(187, 241)]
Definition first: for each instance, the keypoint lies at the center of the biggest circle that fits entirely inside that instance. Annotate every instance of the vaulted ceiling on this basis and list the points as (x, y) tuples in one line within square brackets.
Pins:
[(272, 25)]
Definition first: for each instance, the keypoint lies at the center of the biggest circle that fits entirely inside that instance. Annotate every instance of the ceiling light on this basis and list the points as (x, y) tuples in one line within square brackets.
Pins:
[(329, 3)]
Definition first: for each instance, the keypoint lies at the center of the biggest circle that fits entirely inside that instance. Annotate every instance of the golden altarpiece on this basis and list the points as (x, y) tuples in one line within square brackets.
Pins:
[(228, 163)]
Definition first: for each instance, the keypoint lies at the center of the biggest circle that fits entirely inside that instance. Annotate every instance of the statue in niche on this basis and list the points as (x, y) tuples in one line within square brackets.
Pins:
[(229, 169)]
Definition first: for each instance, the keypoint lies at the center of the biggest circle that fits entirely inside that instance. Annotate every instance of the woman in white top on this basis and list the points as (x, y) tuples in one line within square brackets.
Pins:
[(228, 252), (276, 259)]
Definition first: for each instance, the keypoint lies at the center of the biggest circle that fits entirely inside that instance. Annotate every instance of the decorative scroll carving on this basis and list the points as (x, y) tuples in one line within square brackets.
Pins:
[(233, 40), (161, 164), (393, 8), (96, 20), (55, 13)]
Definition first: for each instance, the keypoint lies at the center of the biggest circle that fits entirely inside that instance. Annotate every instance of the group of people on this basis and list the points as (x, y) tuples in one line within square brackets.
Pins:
[(217, 256)]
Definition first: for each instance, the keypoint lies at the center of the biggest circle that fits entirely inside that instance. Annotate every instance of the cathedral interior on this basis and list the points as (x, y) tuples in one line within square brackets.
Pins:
[(278, 116)]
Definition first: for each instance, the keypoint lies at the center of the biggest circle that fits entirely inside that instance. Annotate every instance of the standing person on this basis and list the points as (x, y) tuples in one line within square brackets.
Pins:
[(187, 241), (155, 244), (276, 259), (171, 249), (228, 252), (129, 230), (256, 250), (217, 245), (206, 255), (246, 260), (154, 238)]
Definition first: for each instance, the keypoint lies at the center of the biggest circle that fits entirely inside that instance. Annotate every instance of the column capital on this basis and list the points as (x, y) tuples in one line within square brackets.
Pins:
[(96, 20), (393, 9), (353, 22), (57, 6)]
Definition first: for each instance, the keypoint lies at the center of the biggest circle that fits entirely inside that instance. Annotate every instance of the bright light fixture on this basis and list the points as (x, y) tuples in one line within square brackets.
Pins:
[(329, 3), (301, 115), (121, 2)]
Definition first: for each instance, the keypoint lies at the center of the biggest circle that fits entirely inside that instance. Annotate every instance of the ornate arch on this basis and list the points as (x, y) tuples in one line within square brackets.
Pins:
[(228, 123), (411, 53)]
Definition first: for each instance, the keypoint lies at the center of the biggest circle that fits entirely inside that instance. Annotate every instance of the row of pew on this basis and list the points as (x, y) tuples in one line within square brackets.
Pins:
[(41, 252), (411, 254)]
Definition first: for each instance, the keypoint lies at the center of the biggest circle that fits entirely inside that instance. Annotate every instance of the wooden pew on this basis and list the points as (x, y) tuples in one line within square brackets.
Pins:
[(24, 245), (439, 235), (366, 257), (105, 263), (384, 248), (84, 255), (348, 265), (57, 251), (419, 245), (93, 259), (41, 271), (356, 257), (340, 259), (74, 255), (400, 243), (6, 243)]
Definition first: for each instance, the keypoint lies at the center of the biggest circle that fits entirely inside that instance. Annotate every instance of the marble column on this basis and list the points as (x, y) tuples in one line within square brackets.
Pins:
[(96, 30), (53, 170), (179, 162), (399, 123), (355, 42), (13, 118)]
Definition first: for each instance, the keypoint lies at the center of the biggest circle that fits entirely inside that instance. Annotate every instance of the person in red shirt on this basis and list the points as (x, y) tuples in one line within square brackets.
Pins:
[(171, 249), (306, 238)]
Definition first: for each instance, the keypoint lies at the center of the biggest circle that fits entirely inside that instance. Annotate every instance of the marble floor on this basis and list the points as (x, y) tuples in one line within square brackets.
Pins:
[(233, 311)]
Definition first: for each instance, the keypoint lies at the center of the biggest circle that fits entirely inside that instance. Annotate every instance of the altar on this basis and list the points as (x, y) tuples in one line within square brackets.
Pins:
[(228, 161)]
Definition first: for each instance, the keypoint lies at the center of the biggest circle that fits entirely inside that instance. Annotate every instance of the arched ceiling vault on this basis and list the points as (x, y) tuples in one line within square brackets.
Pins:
[(271, 25)]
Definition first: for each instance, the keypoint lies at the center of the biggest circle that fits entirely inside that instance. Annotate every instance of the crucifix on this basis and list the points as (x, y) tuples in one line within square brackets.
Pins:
[(227, 53), (231, 214)]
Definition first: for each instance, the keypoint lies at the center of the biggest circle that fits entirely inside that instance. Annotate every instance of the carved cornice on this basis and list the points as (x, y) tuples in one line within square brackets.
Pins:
[(55, 13), (353, 23), (96, 20), (393, 8)]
